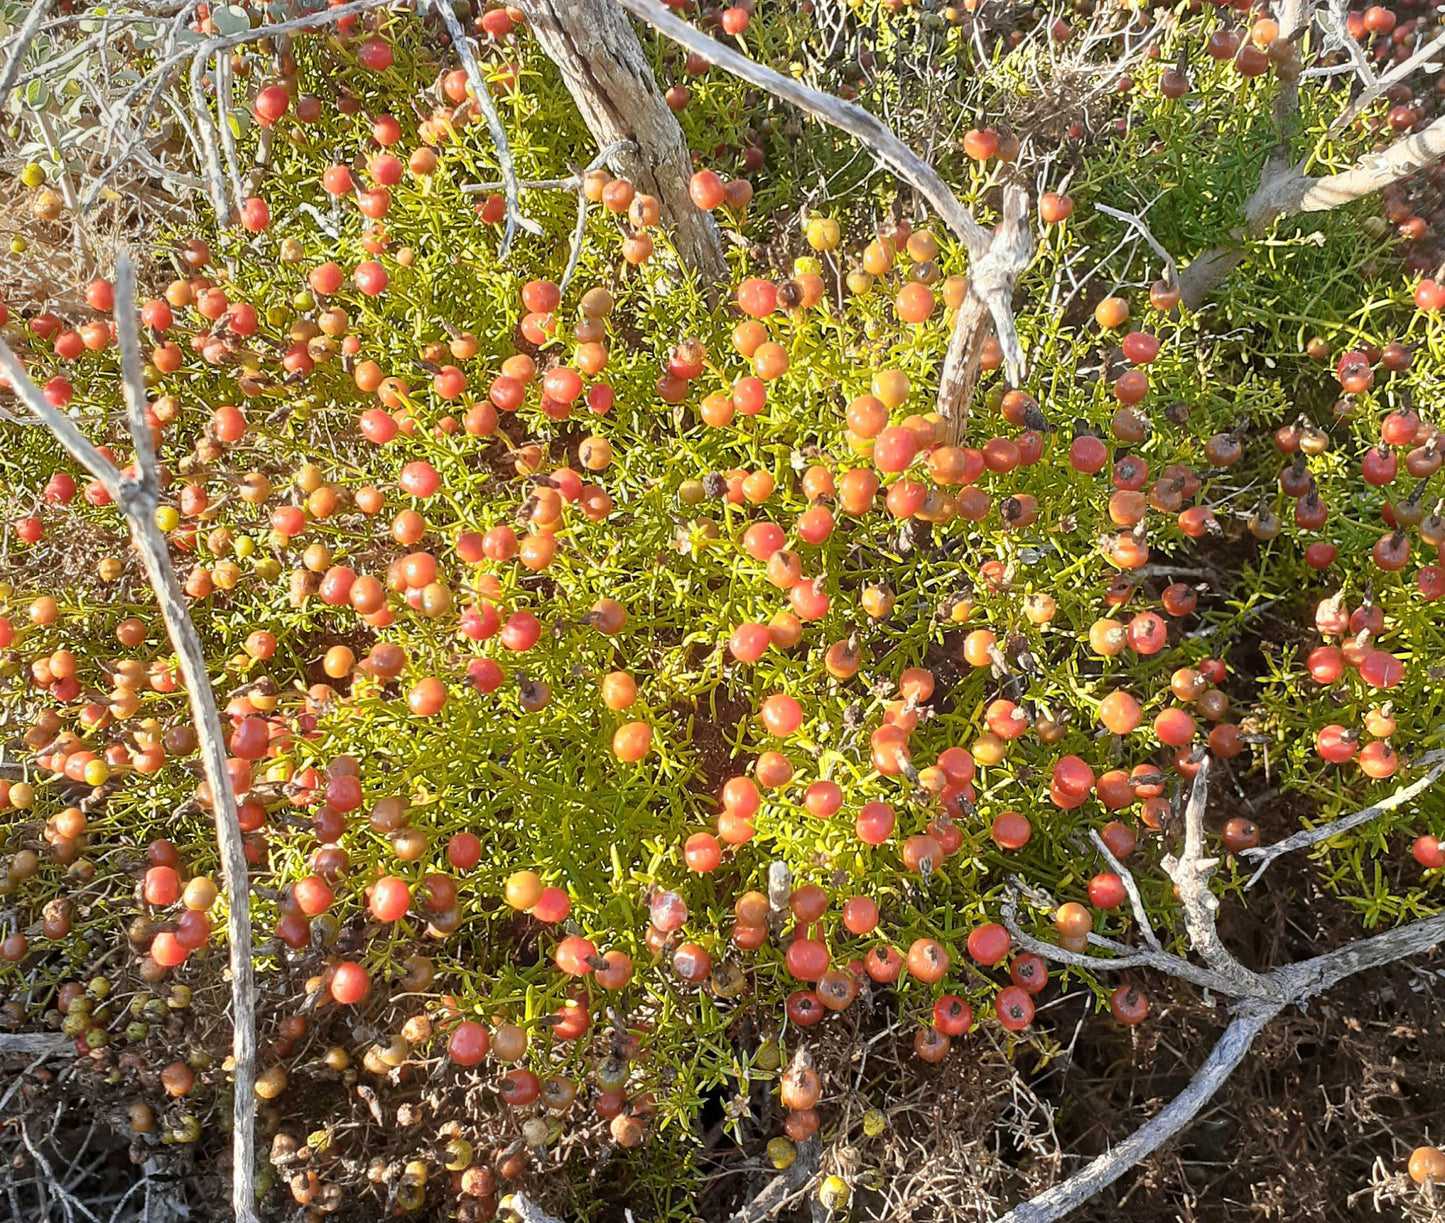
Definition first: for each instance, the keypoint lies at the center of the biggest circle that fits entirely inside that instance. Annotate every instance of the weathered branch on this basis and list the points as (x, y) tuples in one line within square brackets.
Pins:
[(571, 182), (137, 500), (962, 364), (1291, 191), (1398, 73), (601, 62), (1265, 854), (771, 1198), (996, 260), (225, 102), (1191, 872), (1262, 995), (500, 145), (35, 1044), (1121, 957), (875, 135), (1227, 1053), (1334, 21), (1295, 983), (208, 153), (1296, 192), (526, 1210), (579, 231), (1314, 976)]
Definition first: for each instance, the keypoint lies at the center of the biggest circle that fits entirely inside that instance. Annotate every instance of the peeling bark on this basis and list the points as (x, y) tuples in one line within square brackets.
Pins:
[(608, 76), (1289, 191)]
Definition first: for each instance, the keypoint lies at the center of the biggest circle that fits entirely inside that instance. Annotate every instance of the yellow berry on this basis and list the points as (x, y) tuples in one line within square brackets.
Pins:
[(782, 1153), (833, 1193)]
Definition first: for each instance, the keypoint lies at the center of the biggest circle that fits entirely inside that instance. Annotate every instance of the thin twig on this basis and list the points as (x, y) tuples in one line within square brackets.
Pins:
[(1265, 854), (1334, 20), (1121, 956), (1398, 73), (569, 183), (1136, 222), (1131, 889), (579, 232), (225, 102), (208, 154), (480, 91)]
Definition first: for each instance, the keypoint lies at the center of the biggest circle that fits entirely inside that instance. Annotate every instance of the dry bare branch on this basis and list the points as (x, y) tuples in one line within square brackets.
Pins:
[(1265, 854), (525, 1210), (1340, 38), (1397, 73), (225, 103), (1121, 956), (602, 63), (1131, 889), (137, 500), (962, 363), (1296, 192), (1137, 223), (1227, 1053), (875, 135), (208, 153), (515, 217), (1191, 872), (1313, 976), (20, 44), (1292, 984), (996, 260), (1261, 996), (579, 231), (35, 1044), (1291, 191)]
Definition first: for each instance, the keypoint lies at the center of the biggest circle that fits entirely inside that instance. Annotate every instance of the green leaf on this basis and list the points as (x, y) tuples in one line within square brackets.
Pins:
[(231, 19)]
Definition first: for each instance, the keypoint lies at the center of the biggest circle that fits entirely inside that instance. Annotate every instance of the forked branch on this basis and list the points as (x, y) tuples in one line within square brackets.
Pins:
[(137, 499), (1289, 191), (1259, 996), (996, 259), (1131, 889), (1191, 872), (20, 44), (515, 217)]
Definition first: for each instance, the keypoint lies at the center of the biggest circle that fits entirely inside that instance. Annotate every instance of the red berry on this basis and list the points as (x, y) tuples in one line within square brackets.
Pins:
[(468, 1044), (349, 983)]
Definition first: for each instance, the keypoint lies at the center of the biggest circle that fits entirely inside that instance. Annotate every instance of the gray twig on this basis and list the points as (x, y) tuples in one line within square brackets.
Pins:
[(20, 44), (1136, 222), (137, 500), (1265, 854), (997, 259), (1191, 872), (1131, 889), (1227, 1053), (515, 217)]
